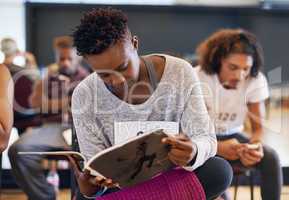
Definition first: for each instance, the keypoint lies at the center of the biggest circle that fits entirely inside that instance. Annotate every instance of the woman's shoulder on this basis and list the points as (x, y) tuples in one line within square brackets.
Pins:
[(4, 73), (168, 60), (260, 79), (85, 88), (179, 62), (83, 98)]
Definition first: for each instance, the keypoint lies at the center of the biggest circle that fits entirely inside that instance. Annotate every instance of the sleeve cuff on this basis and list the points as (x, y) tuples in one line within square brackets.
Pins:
[(202, 155)]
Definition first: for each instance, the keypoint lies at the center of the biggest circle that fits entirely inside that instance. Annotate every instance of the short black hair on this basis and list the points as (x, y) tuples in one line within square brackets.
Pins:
[(227, 41), (99, 29)]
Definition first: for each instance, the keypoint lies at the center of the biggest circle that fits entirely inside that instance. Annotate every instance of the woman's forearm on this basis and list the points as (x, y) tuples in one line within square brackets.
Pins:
[(4, 138)]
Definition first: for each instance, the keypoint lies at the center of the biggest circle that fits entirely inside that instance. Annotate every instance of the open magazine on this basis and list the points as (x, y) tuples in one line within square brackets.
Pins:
[(127, 163)]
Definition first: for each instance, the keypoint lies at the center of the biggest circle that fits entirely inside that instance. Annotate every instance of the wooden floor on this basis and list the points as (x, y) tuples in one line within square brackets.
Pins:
[(19, 195), (243, 194)]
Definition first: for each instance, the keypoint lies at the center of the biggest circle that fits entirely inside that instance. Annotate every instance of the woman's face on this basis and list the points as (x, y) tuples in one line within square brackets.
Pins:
[(118, 64), (235, 68)]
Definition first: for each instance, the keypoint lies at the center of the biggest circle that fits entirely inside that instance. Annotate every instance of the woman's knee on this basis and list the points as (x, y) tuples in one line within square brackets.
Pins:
[(216, 176), (223, 172), (270, 161), (16, 147), (270, 156)]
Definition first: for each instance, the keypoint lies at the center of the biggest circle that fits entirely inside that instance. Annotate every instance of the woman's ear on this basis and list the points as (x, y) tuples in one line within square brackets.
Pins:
[(134, 41)]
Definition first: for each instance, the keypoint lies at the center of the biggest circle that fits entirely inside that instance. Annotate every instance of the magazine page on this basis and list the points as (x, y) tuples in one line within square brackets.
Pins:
[(135, 161), (78, 157)]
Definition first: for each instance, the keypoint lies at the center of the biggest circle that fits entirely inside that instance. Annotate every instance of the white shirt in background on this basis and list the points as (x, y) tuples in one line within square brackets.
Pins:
[(228, 107)]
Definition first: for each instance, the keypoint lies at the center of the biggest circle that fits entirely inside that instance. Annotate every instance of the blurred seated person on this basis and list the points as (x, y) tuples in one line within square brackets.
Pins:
[(234, 87), (23, 68), (16, 58), (51, 96), (6, 100)]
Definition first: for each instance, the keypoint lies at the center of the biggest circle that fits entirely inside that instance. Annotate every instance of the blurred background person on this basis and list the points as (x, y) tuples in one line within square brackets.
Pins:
[(15, 57), (51, 96), (24, 71), (235, 88)]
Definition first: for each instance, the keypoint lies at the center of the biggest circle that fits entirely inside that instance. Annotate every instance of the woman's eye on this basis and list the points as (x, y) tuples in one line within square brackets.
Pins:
[(122, 68)]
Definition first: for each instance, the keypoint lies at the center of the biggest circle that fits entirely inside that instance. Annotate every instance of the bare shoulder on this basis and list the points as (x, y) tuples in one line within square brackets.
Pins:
[(6, 82), (4, 73)]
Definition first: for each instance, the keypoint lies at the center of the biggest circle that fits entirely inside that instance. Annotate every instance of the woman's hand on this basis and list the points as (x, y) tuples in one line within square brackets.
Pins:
[(229, 149), (251, 154), (183, 150), (88, 184)]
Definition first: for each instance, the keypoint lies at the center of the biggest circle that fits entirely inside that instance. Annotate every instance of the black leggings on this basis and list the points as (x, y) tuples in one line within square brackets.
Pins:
[(269, 167), (215, 176)]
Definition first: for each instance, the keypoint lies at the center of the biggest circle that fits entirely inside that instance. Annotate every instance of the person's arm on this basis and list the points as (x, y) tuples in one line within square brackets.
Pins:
[(196, 123), (251, 156), (89, 137), (228, 149), (256, 115), (199, 142), (256, 93), (6, 106)]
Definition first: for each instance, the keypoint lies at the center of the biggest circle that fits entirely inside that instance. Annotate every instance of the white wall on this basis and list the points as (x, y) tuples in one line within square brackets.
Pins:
[(12, 21)]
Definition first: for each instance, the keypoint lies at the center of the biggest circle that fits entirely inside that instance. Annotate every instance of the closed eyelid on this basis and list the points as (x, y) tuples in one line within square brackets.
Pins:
[(103, 75)]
